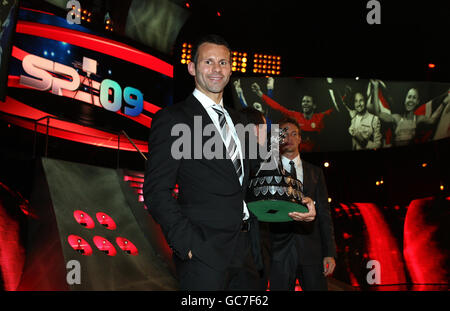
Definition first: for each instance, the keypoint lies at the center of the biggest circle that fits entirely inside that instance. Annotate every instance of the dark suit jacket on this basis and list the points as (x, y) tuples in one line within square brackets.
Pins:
[(310, 242), (207, 216)]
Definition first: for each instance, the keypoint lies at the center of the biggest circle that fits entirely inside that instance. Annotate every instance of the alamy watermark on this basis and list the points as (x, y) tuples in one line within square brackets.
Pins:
[(374, 15), (73, 276), (374, 275), (205, 142), (73, 16)]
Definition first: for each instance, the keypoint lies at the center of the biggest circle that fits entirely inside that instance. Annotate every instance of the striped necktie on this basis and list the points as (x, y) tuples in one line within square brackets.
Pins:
[(230, 144), (293, 170)]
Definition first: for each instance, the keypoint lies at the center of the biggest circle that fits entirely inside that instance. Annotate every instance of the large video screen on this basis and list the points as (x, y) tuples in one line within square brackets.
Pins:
[(8, 18), (337, 114), (75, 84)]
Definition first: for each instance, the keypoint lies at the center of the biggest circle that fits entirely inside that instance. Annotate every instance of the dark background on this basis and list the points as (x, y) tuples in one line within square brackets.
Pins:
[(314, 39)]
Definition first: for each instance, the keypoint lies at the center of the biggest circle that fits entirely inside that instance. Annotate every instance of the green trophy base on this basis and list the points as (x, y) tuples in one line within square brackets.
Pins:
[(275, 210)]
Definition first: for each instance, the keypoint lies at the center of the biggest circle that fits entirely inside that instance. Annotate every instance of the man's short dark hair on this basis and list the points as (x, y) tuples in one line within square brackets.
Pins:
[(211, 38), (285, 120), (307, 95), (253, 116)]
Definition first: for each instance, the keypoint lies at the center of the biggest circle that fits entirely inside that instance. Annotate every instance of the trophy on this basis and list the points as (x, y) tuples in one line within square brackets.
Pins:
[(273, 193)]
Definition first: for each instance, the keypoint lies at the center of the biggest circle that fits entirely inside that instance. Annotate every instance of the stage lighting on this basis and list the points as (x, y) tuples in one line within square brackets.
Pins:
[(86, 15), (108, 22), (239, 61), (431, 65), (186, 53), (266, 64)]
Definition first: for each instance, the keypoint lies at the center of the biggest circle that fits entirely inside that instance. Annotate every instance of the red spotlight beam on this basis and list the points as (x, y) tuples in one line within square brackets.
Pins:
[(426, 262), (382, 245), (96, 43)]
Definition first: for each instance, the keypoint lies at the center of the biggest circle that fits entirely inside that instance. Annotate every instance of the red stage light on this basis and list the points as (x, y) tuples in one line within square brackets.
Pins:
[(106, 221), (134, 184), (298, 288), (105, 246), (12, 251), (84, 219), (132, 178), (431, 65), (80, 245), (127, 246)]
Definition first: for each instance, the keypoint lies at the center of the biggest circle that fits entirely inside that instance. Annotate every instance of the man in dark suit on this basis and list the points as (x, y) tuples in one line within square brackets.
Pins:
[(212, 233), (299, 249)]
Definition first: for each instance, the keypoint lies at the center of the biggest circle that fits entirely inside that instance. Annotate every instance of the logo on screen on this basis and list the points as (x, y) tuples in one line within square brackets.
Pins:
[(43, 77)]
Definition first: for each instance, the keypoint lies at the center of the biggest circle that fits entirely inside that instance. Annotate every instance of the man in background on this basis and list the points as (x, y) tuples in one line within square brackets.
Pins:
[(300, 249)]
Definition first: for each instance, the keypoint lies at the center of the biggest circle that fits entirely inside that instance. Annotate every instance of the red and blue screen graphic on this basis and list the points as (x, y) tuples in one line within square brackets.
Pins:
[(72, 83)]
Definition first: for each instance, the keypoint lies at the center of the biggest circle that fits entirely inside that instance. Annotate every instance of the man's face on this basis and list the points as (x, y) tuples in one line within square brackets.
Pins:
[(411, 100), (292, 139), (213, 68), (307, 104), (360, 105)]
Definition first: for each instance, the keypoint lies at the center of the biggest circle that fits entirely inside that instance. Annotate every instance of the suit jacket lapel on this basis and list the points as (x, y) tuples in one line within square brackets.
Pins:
[(198, 110), (307, 178)]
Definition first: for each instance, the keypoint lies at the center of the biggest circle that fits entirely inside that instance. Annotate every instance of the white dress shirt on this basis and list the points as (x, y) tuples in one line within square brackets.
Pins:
[(208, 104)]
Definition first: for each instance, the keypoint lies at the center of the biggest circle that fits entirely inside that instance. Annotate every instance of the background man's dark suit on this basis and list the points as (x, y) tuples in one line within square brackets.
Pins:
[(207, 217), (301, 243)]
